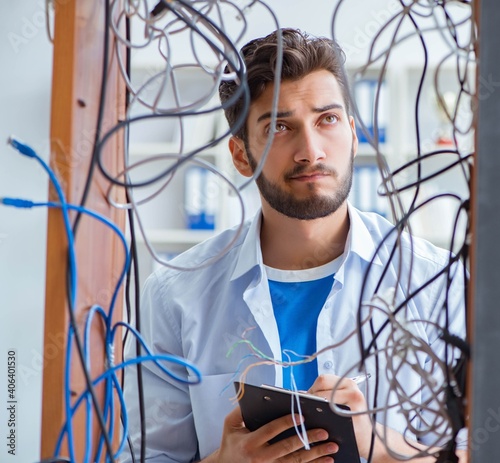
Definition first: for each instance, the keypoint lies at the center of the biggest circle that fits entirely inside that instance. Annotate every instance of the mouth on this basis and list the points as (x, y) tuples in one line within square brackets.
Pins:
[(310, 176)]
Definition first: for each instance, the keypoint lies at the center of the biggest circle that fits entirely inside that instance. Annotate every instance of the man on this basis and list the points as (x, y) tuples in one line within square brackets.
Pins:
[(293, 281)]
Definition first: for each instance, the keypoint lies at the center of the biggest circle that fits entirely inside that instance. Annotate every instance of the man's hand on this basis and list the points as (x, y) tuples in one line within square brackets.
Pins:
[(463, 456), (239, 444), (344, 391)]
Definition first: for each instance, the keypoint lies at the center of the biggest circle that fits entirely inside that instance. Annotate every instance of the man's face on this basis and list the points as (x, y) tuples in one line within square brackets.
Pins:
[(308, 171)]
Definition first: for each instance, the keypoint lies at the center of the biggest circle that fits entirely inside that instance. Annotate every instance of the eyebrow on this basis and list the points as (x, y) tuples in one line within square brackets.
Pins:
[(328, 107), (278, 115), (281, 114)]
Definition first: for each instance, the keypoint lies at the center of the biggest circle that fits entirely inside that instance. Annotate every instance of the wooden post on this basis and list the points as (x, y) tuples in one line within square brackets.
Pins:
[(77, 74)]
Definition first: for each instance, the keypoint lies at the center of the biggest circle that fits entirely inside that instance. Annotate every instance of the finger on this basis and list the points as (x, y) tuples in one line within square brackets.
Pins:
[(306, 456), (326, 383), (274, 428), (320, 453), (292, 448), (234, 420), (338, 390)]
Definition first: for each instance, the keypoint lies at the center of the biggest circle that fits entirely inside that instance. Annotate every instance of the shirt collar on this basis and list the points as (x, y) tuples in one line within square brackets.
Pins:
[(250, 255), (360, 240)]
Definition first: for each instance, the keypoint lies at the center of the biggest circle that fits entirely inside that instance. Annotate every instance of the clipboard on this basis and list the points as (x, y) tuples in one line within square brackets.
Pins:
[(261, 404)]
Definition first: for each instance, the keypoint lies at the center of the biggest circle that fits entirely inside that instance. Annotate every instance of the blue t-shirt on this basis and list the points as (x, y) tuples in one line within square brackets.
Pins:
[(298, 297)]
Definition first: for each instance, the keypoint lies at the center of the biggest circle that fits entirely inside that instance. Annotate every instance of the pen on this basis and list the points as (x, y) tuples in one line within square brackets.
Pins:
[(361, 378)]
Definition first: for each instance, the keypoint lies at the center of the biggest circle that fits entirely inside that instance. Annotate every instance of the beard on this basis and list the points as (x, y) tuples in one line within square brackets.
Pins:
[(315, 206)]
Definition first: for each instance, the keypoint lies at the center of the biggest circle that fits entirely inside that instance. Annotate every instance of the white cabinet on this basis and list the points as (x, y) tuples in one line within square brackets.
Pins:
[(408, 104), (196, 199), (186, 206)]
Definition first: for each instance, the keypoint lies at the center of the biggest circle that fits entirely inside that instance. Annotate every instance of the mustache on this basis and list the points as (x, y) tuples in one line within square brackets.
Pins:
[(307, 170)]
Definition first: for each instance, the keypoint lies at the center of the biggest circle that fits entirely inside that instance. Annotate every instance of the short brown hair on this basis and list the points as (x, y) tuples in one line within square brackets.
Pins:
[(302, 54)]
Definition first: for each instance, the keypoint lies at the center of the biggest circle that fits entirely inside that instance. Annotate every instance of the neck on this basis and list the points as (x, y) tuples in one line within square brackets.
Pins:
[(292, 244)]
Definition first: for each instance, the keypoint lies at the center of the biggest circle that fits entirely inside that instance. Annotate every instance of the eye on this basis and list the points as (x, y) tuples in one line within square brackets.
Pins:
[(331, 118), (278, 128)]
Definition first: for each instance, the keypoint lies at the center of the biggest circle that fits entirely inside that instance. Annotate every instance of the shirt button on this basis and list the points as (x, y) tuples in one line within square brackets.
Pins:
[(328, 365)]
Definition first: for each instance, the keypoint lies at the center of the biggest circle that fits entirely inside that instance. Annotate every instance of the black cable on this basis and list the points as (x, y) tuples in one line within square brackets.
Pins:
[(375, 400), (421, 181), (135, 266), (134, 260), (140, 387), (242, 90), (159, 8), (140, 383), (100, 114), (397, 229), (392, 192), (131, 448), (401, 305), (125, 125)]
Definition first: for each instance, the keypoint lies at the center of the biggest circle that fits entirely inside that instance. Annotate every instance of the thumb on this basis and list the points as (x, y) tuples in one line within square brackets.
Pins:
[(234, 420)]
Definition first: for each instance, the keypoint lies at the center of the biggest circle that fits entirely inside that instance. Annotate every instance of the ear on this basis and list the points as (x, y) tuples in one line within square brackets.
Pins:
[(354, 136), (240, 158)]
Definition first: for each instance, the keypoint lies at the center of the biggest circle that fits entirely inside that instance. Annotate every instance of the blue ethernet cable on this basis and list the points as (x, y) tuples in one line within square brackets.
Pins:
[(88, 323), (110, 374), (29, 152), (27, 204), (26, 150), (22, 203)]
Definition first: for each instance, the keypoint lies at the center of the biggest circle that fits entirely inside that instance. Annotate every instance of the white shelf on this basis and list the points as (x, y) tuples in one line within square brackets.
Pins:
[(176, 236), (145, 149), (366, 150)]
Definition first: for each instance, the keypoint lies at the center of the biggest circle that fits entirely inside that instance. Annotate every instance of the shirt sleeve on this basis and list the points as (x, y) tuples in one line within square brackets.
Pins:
[(170, 433)]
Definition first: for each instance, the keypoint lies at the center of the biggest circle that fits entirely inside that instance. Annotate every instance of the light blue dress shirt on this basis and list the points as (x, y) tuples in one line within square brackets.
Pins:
[(200, 315)]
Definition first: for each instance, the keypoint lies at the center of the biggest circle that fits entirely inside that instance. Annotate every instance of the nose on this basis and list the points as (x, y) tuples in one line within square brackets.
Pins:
[(309, 147)]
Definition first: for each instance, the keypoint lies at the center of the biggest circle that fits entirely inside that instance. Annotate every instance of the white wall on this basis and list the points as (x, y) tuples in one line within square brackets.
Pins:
[(25, 81), (358, 22)]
